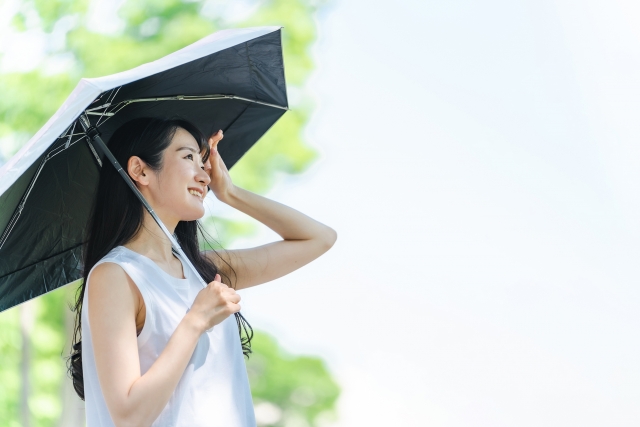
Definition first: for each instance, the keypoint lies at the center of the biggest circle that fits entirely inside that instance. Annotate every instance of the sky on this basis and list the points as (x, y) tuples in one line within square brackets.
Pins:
[(480, 163)]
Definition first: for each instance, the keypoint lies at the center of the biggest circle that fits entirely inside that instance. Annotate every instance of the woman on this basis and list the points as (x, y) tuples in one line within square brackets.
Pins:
[(157, 348)]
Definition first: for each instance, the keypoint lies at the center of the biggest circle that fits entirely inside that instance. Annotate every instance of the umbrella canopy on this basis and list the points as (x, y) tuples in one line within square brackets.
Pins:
[(231, 80)]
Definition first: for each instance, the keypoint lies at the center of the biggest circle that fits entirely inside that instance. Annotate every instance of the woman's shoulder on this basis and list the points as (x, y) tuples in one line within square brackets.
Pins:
[(106, 271), (110, 270), (118, 255), (115, 253), (111, 285), (112, 273)]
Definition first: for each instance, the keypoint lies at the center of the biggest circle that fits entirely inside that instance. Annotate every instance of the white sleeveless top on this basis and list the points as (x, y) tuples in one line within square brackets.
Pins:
[(214, 388)]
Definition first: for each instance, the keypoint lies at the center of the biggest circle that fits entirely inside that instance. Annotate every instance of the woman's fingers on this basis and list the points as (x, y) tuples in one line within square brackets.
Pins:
[(234, 308), (213, 159), (215, 303), (214, 139), (234, 298), (218, 172), (228, 292)]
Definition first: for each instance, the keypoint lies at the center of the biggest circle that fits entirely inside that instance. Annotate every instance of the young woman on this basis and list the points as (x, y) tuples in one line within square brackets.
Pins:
[(157, 348)]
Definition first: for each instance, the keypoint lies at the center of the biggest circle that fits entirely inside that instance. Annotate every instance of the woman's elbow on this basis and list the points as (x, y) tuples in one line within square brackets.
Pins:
[(131, 421), (130, 417), (329, 238)]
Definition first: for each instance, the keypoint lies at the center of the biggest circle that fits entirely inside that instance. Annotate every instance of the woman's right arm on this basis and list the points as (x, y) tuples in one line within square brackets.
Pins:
[(134, 399)]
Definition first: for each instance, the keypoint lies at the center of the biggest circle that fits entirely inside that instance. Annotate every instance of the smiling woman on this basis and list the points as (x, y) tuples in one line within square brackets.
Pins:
[(157, 348), (183, 164)]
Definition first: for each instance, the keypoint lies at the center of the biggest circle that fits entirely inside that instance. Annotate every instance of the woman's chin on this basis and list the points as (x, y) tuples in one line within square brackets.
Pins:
[(192, 214)]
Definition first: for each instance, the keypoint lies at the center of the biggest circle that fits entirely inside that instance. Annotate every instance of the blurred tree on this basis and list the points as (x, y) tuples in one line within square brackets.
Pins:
[(289, 389), (10, 352), (83, 38)]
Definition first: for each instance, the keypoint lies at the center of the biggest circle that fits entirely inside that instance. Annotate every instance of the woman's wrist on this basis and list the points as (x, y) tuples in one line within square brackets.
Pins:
[(193, 324), (229, 196)]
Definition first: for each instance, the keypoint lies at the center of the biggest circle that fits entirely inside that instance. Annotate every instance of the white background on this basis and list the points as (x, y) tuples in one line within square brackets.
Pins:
[(481, 164)]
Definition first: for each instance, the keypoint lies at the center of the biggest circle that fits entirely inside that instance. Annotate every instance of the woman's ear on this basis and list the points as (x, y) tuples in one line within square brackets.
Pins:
[(137, 170)]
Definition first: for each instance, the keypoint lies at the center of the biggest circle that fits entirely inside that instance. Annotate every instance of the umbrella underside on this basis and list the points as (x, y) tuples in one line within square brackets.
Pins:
[(240, 90)]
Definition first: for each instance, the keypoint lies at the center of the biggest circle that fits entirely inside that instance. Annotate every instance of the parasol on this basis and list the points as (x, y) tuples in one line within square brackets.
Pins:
[(231, 80)]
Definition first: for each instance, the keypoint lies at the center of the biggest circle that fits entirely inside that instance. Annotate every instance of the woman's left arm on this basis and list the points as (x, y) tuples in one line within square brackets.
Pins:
[(304, 239)]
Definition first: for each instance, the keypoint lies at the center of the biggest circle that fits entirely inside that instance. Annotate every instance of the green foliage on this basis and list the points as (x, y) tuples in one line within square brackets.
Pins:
[(24, 107), (223, 231), (299, 386), (151, 30), (50, 11), (47, 366), (10, 346)]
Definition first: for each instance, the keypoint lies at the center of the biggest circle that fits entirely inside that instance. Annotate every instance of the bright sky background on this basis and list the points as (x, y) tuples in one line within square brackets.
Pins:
[(481, 164)]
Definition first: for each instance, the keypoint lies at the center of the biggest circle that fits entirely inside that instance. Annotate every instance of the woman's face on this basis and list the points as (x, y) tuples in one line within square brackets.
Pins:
[(177, 191)]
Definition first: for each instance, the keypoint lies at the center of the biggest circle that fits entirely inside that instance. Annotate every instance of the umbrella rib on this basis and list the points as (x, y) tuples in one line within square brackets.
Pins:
[(70, 135), (109, 101), (23, 200), (95, 154), (59, 149), (18, 211), (120, 105)]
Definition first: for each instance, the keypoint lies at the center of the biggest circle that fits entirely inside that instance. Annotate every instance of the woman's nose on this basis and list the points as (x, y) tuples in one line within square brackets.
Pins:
[(204, 177)]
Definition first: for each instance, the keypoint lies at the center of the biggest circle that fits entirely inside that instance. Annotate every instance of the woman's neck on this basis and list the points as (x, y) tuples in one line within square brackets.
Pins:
[(151, 241)]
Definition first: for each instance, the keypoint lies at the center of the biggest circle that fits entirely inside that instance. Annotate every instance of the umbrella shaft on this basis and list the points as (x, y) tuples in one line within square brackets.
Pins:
[(94, 135)]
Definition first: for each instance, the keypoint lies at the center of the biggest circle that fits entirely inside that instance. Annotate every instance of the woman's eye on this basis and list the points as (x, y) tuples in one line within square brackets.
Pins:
[(189, 156)]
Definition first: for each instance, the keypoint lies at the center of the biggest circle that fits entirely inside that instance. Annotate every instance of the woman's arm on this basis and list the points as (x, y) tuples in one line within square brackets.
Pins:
[(134, 399), (305, 239)]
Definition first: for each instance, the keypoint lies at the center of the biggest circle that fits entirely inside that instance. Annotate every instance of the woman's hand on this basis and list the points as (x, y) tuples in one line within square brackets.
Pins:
[(213, 304), (221, 183)]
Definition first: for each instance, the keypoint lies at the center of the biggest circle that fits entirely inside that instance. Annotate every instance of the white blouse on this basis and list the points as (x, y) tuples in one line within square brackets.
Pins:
[(214, 389)]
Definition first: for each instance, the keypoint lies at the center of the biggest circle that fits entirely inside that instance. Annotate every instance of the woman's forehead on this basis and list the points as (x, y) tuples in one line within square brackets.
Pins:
[(183, 138)]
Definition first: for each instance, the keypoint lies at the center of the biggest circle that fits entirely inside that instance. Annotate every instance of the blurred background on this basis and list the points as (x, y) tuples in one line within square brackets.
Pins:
[(480, 161)]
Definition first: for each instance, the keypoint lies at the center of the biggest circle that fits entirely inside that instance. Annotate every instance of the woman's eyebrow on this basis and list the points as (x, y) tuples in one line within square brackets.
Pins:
[(187, 148)]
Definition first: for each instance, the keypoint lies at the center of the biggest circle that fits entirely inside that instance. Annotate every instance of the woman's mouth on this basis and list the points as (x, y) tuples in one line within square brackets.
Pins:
[(196, 193)]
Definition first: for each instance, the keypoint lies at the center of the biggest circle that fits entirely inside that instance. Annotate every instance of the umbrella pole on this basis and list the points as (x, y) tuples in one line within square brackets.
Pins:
[(94, 135)]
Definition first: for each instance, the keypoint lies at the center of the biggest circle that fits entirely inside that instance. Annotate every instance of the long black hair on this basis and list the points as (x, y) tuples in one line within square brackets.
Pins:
[(117, 215)]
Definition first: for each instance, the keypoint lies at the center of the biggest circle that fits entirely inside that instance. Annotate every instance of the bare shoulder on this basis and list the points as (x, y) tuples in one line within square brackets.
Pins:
[(112, 293)]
